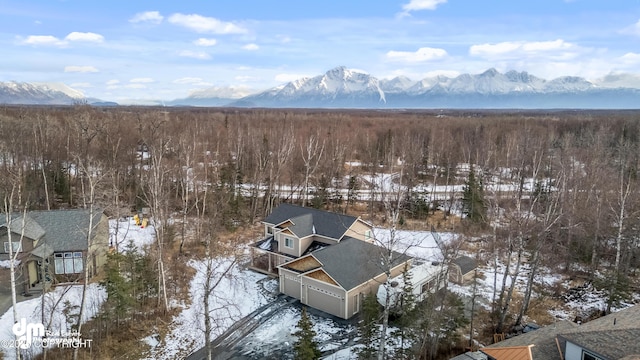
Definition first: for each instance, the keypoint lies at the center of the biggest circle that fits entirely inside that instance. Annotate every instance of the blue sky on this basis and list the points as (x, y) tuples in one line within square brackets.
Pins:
[(123, 50)]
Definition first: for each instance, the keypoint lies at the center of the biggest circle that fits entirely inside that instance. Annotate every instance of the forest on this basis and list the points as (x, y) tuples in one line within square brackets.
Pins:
[(537, 189)]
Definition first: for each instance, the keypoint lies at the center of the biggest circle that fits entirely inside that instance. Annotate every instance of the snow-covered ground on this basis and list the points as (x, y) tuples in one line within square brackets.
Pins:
[(123, 231), (236, 295), (62, 299)]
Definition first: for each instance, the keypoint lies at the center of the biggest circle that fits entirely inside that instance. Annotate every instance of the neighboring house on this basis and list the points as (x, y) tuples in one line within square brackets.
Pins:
[(326, 260), (611, 337), (59, 237), (462, 270), (615, 336), (543, 340)]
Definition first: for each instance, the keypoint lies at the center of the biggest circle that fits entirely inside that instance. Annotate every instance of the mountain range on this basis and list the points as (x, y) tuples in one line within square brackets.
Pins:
[(346, 88)]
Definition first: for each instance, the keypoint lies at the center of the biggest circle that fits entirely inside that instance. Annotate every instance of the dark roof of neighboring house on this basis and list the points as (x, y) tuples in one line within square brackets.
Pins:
[(308, 221), (466, 264), (352, 262), (64, 230), (608, 343), (605, 335), (544, 340)]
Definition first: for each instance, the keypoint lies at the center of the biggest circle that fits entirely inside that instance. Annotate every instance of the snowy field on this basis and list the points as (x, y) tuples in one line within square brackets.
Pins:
[(56, 303)]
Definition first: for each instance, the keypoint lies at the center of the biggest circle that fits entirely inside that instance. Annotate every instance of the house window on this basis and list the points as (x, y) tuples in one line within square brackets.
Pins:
[(288, 243), (269, 230), (68, 262), (589, 356), (14, 244)]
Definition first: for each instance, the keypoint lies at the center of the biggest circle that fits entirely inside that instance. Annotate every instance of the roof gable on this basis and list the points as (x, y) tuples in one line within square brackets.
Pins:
[(510, 353), (307, 221)]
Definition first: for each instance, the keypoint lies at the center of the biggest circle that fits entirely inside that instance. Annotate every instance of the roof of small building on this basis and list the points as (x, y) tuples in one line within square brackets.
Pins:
[(466, 264), (353, 262), (308, 221), (60, 230)]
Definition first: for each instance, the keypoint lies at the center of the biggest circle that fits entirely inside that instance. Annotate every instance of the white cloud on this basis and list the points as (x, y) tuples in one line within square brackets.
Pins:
[(80, 69), (205, 42), (251, 47), (113, 82), (84, 36), (203, 24), (288, 77), (416, 5), (420, 55), (46, 40), (153, 17), (630, 58), (201, 55), (141, 80), (632, 30), (555, 50)]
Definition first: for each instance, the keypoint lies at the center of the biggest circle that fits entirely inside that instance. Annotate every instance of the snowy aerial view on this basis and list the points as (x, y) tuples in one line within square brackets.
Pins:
[(398, 179)]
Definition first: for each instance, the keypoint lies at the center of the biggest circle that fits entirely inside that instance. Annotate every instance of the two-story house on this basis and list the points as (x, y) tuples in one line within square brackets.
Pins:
[(59, 238), (326, 260)]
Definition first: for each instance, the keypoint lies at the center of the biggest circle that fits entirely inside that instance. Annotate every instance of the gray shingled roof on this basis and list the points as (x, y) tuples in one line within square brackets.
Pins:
[(608, 343), (352, 262), (605, 335), (308, 221), (65, 230), (544, 340), (466, 264), (32, 229)]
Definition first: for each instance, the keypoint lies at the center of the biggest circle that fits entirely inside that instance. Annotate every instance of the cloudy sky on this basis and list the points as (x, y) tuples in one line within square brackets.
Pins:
[(144, 49)]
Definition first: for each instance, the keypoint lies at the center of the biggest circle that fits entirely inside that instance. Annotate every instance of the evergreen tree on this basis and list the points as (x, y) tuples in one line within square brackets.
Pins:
[(305, 347), (406, 317), (473, 205), (368, 327), (119, 299)]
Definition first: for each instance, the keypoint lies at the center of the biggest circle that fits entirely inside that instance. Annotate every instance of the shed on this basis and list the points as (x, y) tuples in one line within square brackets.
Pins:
[(462, 269)]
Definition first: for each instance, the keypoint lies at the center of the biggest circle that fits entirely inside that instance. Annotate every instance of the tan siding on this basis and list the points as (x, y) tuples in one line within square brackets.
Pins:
[(357, 230), (295, 251), (369, 287), (99, 246), (304, 244)]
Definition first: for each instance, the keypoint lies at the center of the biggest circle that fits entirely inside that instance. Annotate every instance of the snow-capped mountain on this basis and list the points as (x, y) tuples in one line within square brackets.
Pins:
[(338, 87), (213, 96), (341, 87), (396, 85), (22, 93)]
